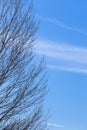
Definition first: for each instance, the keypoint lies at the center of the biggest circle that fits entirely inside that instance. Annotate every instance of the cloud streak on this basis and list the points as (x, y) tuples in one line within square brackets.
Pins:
[(69, 69), (62, 51), (63, 56), (55, 125), (61, 24)]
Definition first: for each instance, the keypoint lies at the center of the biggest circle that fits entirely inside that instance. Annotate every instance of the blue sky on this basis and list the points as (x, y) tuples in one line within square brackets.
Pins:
[(62, 37)]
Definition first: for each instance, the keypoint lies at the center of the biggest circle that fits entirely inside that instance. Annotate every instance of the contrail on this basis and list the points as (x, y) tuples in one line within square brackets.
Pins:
[(63, 57), (55, 125), (68, 69), (64, 52), (61, 24)]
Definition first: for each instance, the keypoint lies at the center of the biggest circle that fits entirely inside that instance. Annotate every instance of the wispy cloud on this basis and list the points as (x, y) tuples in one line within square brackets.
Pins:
[(62, 51), (69, 69), (55, 125), (64, 56), (61, 24)]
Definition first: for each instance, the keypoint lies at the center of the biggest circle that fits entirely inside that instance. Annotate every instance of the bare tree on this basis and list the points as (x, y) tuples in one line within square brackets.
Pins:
[(22, 79)]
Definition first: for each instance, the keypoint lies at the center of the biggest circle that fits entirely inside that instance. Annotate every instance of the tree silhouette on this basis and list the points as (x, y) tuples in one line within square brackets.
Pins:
[(22, 79)]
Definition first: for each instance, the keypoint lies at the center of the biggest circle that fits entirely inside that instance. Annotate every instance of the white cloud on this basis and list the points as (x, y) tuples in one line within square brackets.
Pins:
[(55, 125), (61, 24), (69, 69), (75, 57), (62, 51)]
